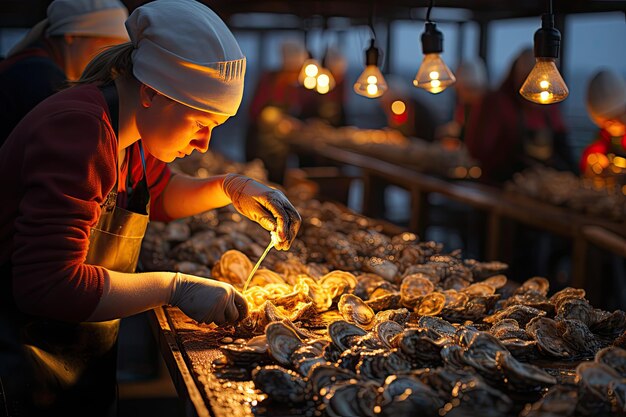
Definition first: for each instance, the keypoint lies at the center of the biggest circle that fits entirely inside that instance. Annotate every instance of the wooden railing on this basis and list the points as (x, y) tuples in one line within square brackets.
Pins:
[(497, 205)]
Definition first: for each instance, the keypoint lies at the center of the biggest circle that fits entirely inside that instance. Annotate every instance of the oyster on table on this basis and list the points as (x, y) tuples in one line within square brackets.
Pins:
[(548, 336), (406, 395), (323, 376), (343, 334), (414, 287), (233, 267), (337, 283), (308, 355), (282, 341), (351, 398), (255, 350), (614, 357), (280, 384), (354, 310), (522, 376), (431, 304)]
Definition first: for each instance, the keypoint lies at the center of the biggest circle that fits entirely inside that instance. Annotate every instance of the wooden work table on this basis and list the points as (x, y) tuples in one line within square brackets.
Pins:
[(209, 388), (205, 387)]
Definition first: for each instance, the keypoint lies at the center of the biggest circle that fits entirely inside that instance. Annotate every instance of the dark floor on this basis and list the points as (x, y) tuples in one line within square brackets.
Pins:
[(144, 382), (150, 398)]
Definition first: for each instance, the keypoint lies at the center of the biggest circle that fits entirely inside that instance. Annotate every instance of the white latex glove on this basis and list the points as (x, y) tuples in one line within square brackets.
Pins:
[(208, 301), (264, 205)]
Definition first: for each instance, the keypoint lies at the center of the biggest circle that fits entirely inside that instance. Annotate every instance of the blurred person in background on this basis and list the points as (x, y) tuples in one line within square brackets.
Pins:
[(606, 106), (56, 51), (471, 86), (277, 91), (404, 112), (508, 133), (330, 107), (82, 173), (604, 161)]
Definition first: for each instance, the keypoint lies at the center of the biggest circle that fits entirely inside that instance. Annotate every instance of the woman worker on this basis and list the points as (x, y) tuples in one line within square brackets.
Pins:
[(56, 50), (80, 174), (508, 133)]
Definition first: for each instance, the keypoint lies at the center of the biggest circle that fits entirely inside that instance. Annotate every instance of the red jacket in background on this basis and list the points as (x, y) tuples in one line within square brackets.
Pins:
[(498, 127), (603, 145)]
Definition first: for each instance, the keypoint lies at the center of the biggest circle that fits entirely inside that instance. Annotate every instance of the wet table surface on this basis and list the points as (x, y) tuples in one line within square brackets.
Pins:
[(209, 387), (203, 382)]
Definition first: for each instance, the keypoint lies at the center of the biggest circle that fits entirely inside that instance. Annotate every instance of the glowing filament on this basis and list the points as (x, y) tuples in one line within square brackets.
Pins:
[(323, 80), (544, 96), (311, 70), (309, 82), (322, 89)]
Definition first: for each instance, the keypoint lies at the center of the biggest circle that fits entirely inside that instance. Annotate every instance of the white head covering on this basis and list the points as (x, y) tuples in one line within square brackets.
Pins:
[(87, 18), (98, 18), (606, 95), (185, 51), (293, 54), (336, 62), (472, 74)]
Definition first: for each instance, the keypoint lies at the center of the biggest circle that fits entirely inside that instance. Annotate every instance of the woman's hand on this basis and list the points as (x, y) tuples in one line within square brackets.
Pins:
[(207, 300), (264, 205)]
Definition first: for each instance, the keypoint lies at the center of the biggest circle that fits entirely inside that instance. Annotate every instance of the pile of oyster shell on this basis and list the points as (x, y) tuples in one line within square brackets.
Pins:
[(362, 345), (355, 322), (330, 238), (563, 188), (386, 144)]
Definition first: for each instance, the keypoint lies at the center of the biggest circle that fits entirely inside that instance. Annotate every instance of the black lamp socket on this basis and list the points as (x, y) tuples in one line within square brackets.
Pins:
[(432, 39), (547, 38), (371, 55)]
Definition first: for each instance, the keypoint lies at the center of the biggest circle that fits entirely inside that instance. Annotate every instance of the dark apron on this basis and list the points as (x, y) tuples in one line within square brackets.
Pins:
[(68, 369)]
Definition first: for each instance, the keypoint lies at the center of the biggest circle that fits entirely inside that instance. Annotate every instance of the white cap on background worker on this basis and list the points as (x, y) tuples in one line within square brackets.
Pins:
[(293, 54), (606, 101), (471, 79), (87, 18)]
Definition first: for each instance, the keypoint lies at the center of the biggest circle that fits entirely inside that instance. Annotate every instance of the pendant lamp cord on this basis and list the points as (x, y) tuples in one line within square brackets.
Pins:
[(306, 34), (430, 7), (370, 21)]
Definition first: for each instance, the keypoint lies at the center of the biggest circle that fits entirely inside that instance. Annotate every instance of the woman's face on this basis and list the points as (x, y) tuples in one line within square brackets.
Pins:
[(171, 130)]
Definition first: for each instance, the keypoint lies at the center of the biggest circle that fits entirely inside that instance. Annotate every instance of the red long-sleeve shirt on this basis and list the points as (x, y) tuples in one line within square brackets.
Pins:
[(494, 132), (56, 168), (603, 145)]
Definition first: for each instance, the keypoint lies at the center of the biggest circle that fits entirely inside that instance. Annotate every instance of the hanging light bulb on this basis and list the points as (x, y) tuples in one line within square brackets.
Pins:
[(544, 84), (309, 72), (371, 82), (325, 79), (433, 75)]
